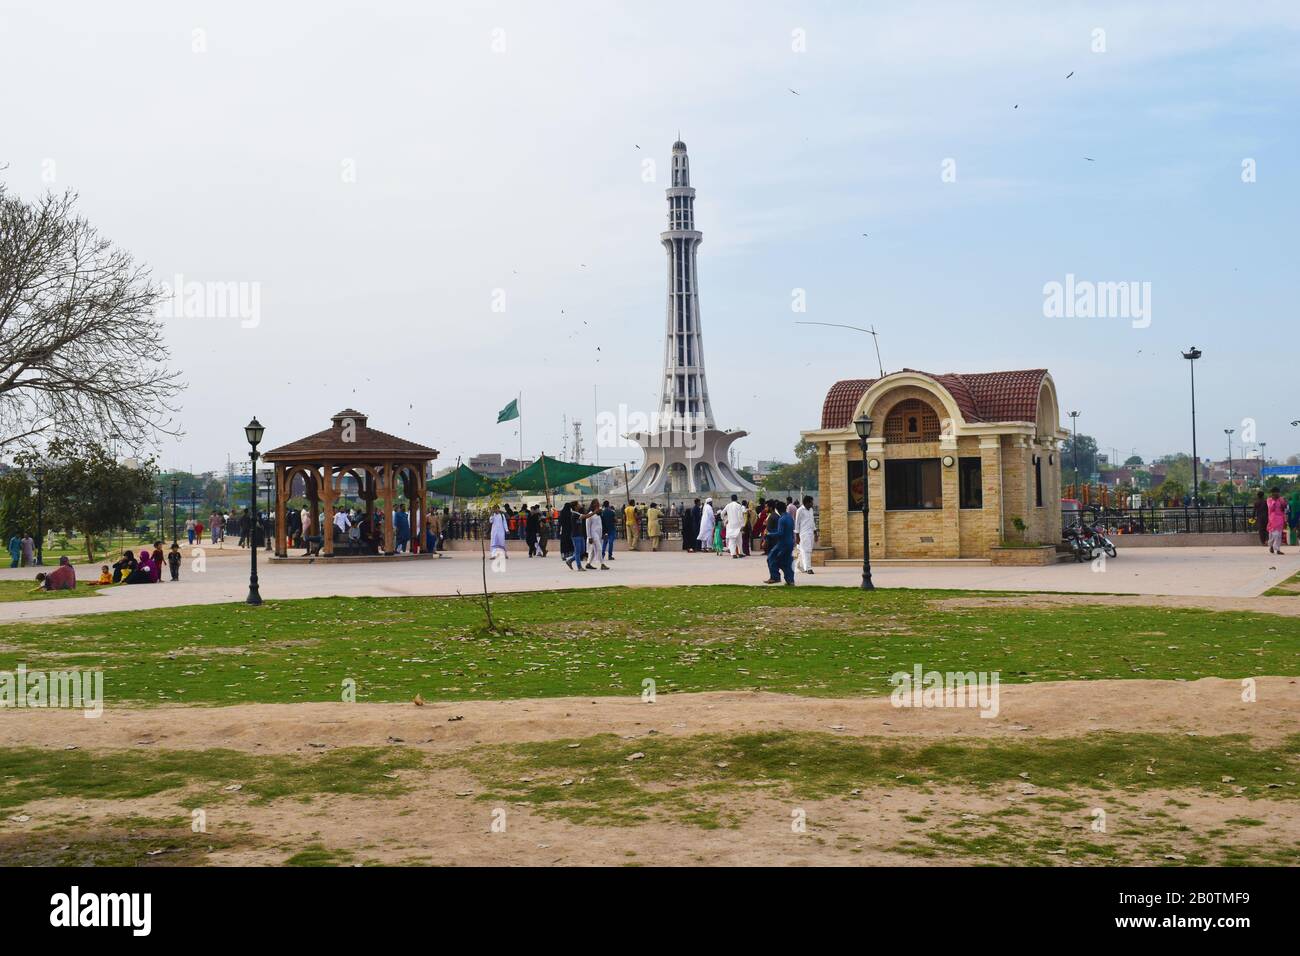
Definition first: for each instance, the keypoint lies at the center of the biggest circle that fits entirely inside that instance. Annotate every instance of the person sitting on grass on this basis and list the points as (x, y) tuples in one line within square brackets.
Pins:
[(142, 572), (62, 578), (105, 575)]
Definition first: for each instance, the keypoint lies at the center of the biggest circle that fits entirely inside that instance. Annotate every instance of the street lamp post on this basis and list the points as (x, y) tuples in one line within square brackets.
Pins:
[(863, 427), (253, 432), (1192, 355), (39, 474), (1231, 487), (1074, 447), (175, 484)]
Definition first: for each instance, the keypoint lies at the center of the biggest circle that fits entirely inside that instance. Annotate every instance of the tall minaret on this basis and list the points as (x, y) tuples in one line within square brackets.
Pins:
[(685, 395), (684, 451)]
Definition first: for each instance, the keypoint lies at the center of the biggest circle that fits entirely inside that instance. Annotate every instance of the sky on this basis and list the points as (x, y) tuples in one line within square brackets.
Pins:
[(430, 209)]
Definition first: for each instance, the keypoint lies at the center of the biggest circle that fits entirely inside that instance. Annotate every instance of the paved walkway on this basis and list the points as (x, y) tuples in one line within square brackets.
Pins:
[(1190, 572)]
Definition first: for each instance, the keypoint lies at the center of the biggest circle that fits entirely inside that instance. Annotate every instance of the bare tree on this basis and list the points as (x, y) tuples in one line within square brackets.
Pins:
[(81, 347)]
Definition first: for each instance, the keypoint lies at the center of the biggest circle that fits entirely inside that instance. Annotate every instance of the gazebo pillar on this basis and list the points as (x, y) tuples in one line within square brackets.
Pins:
[(390, 505), (281, 531), (327, 529)]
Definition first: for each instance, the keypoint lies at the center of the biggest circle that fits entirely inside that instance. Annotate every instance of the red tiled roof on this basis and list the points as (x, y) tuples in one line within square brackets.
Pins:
[(980, 396), (367, 443)]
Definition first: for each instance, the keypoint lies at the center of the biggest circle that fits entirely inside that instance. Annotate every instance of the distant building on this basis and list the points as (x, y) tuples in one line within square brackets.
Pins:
[(493, 466)]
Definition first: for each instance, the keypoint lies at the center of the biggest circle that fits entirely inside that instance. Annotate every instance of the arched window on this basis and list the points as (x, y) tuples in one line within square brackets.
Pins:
[(911, 420)]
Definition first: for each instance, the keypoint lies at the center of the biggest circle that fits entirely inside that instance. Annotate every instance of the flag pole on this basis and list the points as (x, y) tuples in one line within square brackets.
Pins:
[(546, 482), (519, 407)]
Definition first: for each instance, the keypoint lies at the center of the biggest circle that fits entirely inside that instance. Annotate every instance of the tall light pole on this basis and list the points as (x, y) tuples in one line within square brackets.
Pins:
[(1074, 445), (253, 432), (176, 483), (863, 425), (1192, 354), (39, 474), (1228, 432)]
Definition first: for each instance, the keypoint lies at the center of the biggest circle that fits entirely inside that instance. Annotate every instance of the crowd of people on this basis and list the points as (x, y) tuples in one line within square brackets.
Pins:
[(783, 530), (130, 568)]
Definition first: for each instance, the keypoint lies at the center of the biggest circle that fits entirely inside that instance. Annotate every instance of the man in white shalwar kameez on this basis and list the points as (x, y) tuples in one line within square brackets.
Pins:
[(595, 537), (734, 516), (707, 521), (805, 529), (498, 540)]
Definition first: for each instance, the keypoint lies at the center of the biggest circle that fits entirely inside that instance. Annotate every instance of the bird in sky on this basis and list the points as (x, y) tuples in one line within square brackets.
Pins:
[(795, 92), (1070, 74), (1089, 159)]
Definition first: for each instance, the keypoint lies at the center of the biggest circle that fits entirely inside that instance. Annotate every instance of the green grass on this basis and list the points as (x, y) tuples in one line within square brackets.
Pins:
[(812, 641), (125, 841), (1288, 588), (688, 778), (25, 590), (30, 773)]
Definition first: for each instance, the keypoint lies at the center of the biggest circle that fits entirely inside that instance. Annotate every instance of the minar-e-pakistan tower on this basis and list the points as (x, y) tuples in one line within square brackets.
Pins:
[(687, 453)]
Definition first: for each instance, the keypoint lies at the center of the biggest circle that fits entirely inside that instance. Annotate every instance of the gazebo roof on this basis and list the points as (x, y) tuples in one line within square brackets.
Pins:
[(366, 442)]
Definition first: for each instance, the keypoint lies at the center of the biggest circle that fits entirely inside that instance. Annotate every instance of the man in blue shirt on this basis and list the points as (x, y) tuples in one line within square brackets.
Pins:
[(780, 553)]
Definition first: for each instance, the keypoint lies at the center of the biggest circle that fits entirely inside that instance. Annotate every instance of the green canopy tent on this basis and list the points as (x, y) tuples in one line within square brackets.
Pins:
[(547, 473), (460, 482)]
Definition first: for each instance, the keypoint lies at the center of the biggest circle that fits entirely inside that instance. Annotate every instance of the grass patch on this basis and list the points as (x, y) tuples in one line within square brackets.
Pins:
[(29, 773), (125, 841), (1288, 588), (689, 780), (813, 641), (317, 854), (26, 591)]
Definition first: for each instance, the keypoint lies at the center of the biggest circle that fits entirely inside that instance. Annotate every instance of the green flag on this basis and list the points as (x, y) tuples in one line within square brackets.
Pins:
[(509, 412)]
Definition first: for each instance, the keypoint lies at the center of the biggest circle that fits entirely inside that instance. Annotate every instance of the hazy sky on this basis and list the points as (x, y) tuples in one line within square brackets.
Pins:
[(376, 172)]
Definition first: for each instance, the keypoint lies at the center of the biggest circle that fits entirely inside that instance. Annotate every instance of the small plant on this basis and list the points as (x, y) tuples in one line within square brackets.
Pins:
[(1019, 524)]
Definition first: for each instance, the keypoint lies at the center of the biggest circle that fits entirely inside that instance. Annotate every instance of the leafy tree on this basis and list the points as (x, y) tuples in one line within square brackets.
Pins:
[(801, 474), (17, 506), (1171, 490), (1087, 459), (86, 490)]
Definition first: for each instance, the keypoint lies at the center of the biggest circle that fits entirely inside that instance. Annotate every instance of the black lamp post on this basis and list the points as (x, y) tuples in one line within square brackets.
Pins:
[(1192, 355), (176, 482), (253, 432), (39, 474), (863, 425), (194, 499)]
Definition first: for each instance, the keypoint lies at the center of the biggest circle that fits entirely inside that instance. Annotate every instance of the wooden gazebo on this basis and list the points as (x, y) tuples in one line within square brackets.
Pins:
[(383, 465)]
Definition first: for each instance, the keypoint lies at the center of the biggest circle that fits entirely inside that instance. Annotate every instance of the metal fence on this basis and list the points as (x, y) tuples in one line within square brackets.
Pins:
[(1208, 519)]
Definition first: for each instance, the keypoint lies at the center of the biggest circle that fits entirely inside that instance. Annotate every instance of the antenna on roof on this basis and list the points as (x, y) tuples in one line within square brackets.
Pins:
[(875, 337)]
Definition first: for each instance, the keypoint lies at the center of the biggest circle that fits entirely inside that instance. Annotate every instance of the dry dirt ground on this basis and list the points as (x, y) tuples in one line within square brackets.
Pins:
[(439, 817)]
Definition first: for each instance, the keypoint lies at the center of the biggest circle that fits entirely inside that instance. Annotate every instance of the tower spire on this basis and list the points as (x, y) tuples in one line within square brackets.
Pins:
[(685, 395), (685, 452)]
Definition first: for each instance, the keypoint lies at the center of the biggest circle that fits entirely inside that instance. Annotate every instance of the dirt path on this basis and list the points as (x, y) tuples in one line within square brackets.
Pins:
[(1207, 706), (1282, 605)]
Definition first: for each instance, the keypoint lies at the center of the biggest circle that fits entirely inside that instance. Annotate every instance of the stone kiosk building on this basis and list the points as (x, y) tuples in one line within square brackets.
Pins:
[(952, 461)]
